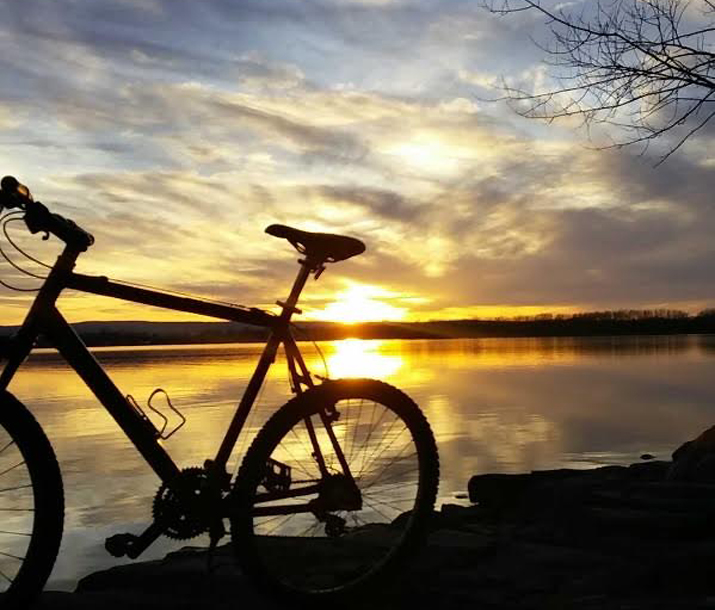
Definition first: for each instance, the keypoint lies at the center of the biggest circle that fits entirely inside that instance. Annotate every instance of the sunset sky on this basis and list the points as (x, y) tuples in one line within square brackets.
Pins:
[(175, 131)]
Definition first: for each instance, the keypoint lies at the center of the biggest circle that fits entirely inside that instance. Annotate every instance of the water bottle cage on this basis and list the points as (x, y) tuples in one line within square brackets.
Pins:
[(159, 433)]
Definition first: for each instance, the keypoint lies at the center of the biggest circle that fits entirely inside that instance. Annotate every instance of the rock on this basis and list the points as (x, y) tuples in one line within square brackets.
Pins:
[(496, 491), (476, 559), (695, 460), (655, 470), (636, 537), (457, 517), (179, 581)]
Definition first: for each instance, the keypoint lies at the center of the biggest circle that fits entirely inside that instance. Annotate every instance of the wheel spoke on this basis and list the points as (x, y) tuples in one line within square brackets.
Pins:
[(31, 505), (4, 472), (394, 476), (10, 444), (384, 503), (397, 459), (28, 486), (15, 533), (279, 525), (377, 510), (372, 457), (299, 464), (310, 529), (372, 428), (306, 447), (356, 427), (338, 539), (265, 520)]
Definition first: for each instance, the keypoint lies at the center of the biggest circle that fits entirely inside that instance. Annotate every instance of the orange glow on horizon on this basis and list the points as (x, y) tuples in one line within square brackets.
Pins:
[(354, 304), (361, 303)]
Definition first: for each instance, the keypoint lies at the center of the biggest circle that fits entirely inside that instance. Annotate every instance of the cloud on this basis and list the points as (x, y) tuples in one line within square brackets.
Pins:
[(176, 131), (383, 203)]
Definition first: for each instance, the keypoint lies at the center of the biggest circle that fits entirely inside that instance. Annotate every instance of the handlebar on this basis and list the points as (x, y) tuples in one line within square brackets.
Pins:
[(39, 219), (13, 192)]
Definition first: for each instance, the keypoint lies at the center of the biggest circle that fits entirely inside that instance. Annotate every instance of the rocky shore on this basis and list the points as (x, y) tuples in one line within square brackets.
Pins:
[(616, 537)]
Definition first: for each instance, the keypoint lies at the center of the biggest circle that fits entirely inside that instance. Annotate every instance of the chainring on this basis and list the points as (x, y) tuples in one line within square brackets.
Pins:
[(177, 520)]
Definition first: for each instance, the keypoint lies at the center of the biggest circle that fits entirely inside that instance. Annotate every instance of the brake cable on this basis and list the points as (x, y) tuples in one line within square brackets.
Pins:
[(5, 220)]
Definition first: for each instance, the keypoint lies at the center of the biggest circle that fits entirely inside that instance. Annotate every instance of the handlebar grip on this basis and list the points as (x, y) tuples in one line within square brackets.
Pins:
[(9, 184), (13, 194), (38, 218)]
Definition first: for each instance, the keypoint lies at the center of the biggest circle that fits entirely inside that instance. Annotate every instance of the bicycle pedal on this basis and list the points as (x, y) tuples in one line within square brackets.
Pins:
[(119, 544)]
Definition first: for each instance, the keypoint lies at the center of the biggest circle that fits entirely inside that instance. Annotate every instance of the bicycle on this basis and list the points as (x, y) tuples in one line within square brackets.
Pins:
[(333, 495)]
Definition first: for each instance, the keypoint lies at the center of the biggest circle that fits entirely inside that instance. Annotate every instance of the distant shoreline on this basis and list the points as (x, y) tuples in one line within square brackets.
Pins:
[(630, 323)]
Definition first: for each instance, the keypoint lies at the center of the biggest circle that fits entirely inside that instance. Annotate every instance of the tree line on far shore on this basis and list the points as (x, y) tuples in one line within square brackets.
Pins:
[(618, 314), (609, 322), (595, 323)]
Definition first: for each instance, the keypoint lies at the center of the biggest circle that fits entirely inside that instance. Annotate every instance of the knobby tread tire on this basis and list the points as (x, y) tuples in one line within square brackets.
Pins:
[(47, 488), (308, 403)]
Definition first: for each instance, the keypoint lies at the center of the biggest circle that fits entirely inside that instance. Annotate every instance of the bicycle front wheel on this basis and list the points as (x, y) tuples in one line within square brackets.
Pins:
[(336, 491), (31, 505)]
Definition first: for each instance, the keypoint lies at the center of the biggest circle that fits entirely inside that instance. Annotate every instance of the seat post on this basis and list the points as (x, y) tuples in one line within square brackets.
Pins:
[(289, 305)]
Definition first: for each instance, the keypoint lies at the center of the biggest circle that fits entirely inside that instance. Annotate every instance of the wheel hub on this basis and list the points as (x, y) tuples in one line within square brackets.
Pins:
[(338, 492)]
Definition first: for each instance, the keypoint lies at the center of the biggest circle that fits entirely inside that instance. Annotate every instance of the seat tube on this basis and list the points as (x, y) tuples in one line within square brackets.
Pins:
[(267, 358)]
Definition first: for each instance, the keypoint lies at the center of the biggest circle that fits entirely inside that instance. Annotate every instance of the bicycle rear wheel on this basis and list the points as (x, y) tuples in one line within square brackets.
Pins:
[(31, 505), (313, 531)]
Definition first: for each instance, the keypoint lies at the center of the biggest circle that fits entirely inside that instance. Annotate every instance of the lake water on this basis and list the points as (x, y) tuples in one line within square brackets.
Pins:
[(496, 405)]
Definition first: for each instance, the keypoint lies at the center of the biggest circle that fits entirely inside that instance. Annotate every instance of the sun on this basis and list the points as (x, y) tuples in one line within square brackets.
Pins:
[(428, 154), (361, 303)]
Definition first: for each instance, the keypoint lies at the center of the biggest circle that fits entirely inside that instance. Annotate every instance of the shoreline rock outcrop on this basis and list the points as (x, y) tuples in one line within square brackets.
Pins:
[(631, 537)]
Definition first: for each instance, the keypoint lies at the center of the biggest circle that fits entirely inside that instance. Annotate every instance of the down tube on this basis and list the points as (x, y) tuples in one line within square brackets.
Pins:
[(247, 400), (138, 430)]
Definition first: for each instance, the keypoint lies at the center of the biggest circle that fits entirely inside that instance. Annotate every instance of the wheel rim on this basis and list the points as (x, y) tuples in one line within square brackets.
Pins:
[(17, 507), (340, 542)]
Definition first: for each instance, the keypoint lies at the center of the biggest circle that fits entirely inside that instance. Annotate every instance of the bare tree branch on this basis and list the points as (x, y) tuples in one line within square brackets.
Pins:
[(646, 67)]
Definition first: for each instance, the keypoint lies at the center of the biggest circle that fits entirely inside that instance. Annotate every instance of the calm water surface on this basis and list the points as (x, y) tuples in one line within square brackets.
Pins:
[(496, 405)]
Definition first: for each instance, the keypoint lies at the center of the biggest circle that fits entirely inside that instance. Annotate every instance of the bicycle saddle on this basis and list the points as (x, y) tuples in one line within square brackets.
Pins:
[(324, 247)]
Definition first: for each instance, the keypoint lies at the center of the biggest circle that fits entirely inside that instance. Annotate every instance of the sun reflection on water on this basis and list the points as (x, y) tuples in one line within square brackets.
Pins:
[(360, 358), (495, 405)]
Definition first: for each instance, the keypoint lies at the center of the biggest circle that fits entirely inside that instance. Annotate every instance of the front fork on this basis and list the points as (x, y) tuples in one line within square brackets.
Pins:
[(300, 376)]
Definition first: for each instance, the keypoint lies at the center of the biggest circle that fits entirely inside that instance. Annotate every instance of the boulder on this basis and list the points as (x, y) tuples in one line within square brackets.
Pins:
[(636, 537), (694, 460)]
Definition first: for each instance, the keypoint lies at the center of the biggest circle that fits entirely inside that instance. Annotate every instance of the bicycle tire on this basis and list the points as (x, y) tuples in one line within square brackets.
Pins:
[(365, 553), (31, 505)]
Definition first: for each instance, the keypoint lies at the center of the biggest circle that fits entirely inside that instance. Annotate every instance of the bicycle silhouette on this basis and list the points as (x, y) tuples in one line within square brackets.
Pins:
[(333, 495)]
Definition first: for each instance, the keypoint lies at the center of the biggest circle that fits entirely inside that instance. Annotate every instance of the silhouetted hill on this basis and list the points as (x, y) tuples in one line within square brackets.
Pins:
[(621, 322)]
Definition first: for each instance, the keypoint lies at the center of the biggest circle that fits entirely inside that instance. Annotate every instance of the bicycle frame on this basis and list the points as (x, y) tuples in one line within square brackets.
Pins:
[(44, 318), (274, 483)]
